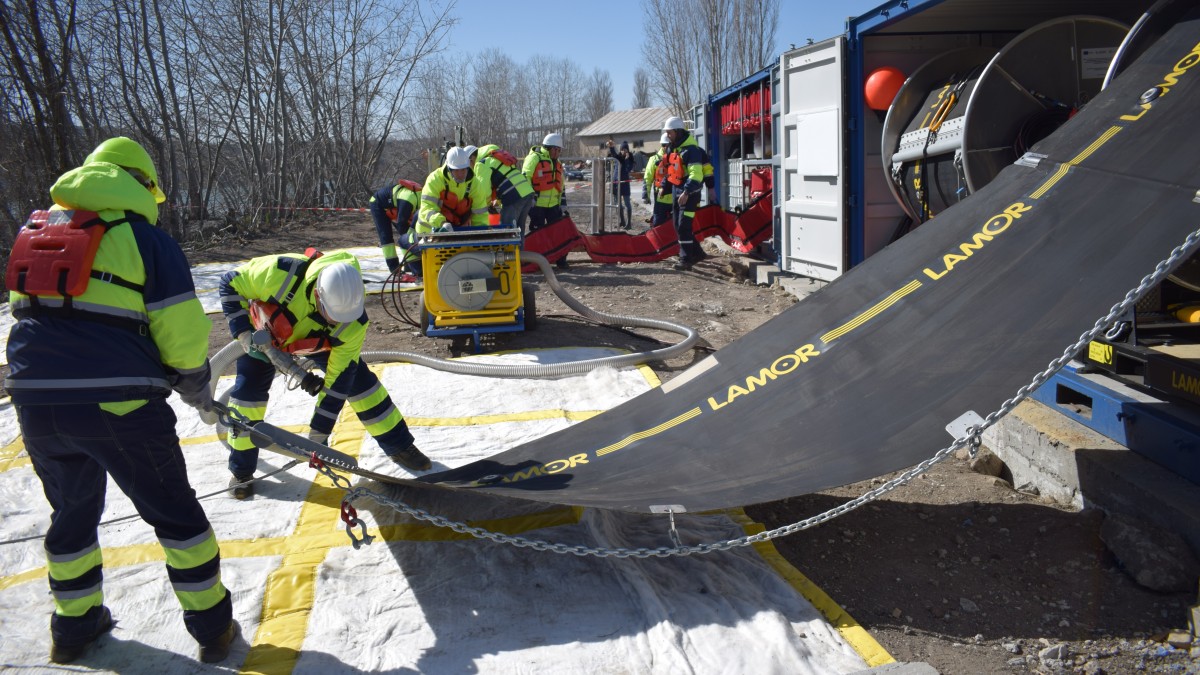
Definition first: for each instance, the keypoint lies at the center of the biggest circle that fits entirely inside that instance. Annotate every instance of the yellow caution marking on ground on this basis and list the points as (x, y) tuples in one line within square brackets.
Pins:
[(291, 588), (866, 646), (12, 455)]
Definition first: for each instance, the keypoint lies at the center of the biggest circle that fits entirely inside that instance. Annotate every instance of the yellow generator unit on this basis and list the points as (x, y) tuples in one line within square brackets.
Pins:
[(473, 283)]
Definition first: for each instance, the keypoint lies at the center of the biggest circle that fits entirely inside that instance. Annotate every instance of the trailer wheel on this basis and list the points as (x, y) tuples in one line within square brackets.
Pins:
[(529, 292), (424, 315)]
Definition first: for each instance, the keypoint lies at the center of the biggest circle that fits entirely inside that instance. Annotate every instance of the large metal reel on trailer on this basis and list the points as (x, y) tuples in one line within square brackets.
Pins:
[(956, 123)]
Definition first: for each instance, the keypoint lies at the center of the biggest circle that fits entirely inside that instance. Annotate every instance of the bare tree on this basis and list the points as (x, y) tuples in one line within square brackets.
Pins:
[(598, 97), (245, 106), (714, 44), (37, 136), (641, 89)]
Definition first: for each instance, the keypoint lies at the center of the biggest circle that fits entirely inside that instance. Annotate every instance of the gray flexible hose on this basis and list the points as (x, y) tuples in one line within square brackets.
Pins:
[(228, 354), (557, 369)]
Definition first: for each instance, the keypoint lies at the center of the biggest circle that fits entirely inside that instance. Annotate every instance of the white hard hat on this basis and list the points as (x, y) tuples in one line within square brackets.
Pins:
[(673, 123), (458, 158), (471, 150), (340, 292), (552, 141), (665, 138)]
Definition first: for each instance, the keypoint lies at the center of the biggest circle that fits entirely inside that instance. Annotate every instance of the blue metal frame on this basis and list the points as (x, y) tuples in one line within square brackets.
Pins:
[(856, 29), (1164, 432), (476, 331)]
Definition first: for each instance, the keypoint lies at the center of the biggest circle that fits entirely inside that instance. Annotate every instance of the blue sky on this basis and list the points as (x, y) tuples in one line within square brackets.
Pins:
[(608, 34)]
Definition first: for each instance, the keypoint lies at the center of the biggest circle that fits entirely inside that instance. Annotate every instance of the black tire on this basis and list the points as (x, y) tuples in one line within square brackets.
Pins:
[(529, 294), (424, 315)]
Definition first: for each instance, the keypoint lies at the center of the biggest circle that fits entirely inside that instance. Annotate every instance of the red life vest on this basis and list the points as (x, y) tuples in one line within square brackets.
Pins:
[(675, 174), (504, 157), (272, 318), (54, 252), (394, 213), (547, 176), (456, 210)]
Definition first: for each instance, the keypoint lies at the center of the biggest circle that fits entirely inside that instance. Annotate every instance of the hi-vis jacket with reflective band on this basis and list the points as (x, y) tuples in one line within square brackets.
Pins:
[(507, 182), (684, 167), (653, 165), (270, 278), (445, 201), (115, 343), (546, 176), (400, 203)]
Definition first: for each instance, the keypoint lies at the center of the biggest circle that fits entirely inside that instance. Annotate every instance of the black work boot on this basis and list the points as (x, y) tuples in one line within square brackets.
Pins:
[(412, 459), (242, 487), (69, 652), (217, 649)]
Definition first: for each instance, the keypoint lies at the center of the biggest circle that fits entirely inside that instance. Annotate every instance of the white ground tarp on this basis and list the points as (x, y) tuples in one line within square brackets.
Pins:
[(421, 598)]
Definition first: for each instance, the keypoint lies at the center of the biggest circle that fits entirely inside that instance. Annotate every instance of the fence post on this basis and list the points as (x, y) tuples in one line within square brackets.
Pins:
[(599, 183)]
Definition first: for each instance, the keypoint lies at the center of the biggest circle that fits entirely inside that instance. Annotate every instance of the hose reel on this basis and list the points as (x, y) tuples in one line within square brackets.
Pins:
[(965, 115)]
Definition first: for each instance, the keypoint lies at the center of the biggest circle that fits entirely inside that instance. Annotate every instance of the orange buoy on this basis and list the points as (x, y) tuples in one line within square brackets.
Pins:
[(881, 87)]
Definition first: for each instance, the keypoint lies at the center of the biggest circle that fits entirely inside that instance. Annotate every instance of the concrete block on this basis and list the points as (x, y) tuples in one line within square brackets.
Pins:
[(801, 287), (1074, 465), (761, 273), (1037, 445)]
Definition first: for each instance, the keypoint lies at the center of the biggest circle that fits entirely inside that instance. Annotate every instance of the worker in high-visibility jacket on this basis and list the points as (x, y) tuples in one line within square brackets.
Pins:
[(650, 189), (683, 175), (93, 356), (545, 174), (499, 175), (451, 197), (394, 210), (309, 305)]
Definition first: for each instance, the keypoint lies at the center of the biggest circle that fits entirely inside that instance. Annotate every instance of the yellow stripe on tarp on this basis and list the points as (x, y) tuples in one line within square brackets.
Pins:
[(291, 588), (859, 639)]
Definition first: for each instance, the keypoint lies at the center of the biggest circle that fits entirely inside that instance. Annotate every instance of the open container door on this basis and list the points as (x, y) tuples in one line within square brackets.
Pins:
[(811, 204)]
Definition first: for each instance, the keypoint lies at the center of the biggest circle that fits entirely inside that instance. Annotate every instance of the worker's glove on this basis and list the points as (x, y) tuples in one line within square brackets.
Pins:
[(251, 347), (392, 263), (645, 197), (682, 199), (321, 437), (445, 228), (203, 404), (312, 384), (246, 340)]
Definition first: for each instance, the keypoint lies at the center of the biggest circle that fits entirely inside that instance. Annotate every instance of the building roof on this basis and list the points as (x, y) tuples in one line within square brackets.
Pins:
[(627, 122)]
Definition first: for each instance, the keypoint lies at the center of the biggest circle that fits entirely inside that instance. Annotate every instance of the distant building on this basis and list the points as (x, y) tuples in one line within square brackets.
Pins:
[(641, 128)]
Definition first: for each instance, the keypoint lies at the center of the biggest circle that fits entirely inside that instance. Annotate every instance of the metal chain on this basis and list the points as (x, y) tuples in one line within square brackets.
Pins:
[(972, 439)]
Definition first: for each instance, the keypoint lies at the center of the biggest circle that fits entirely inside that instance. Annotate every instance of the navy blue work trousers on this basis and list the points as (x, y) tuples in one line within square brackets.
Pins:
[(72, 447)]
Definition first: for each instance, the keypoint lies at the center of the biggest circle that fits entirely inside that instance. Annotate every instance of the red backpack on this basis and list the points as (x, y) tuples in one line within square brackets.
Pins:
[(54, 252)]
